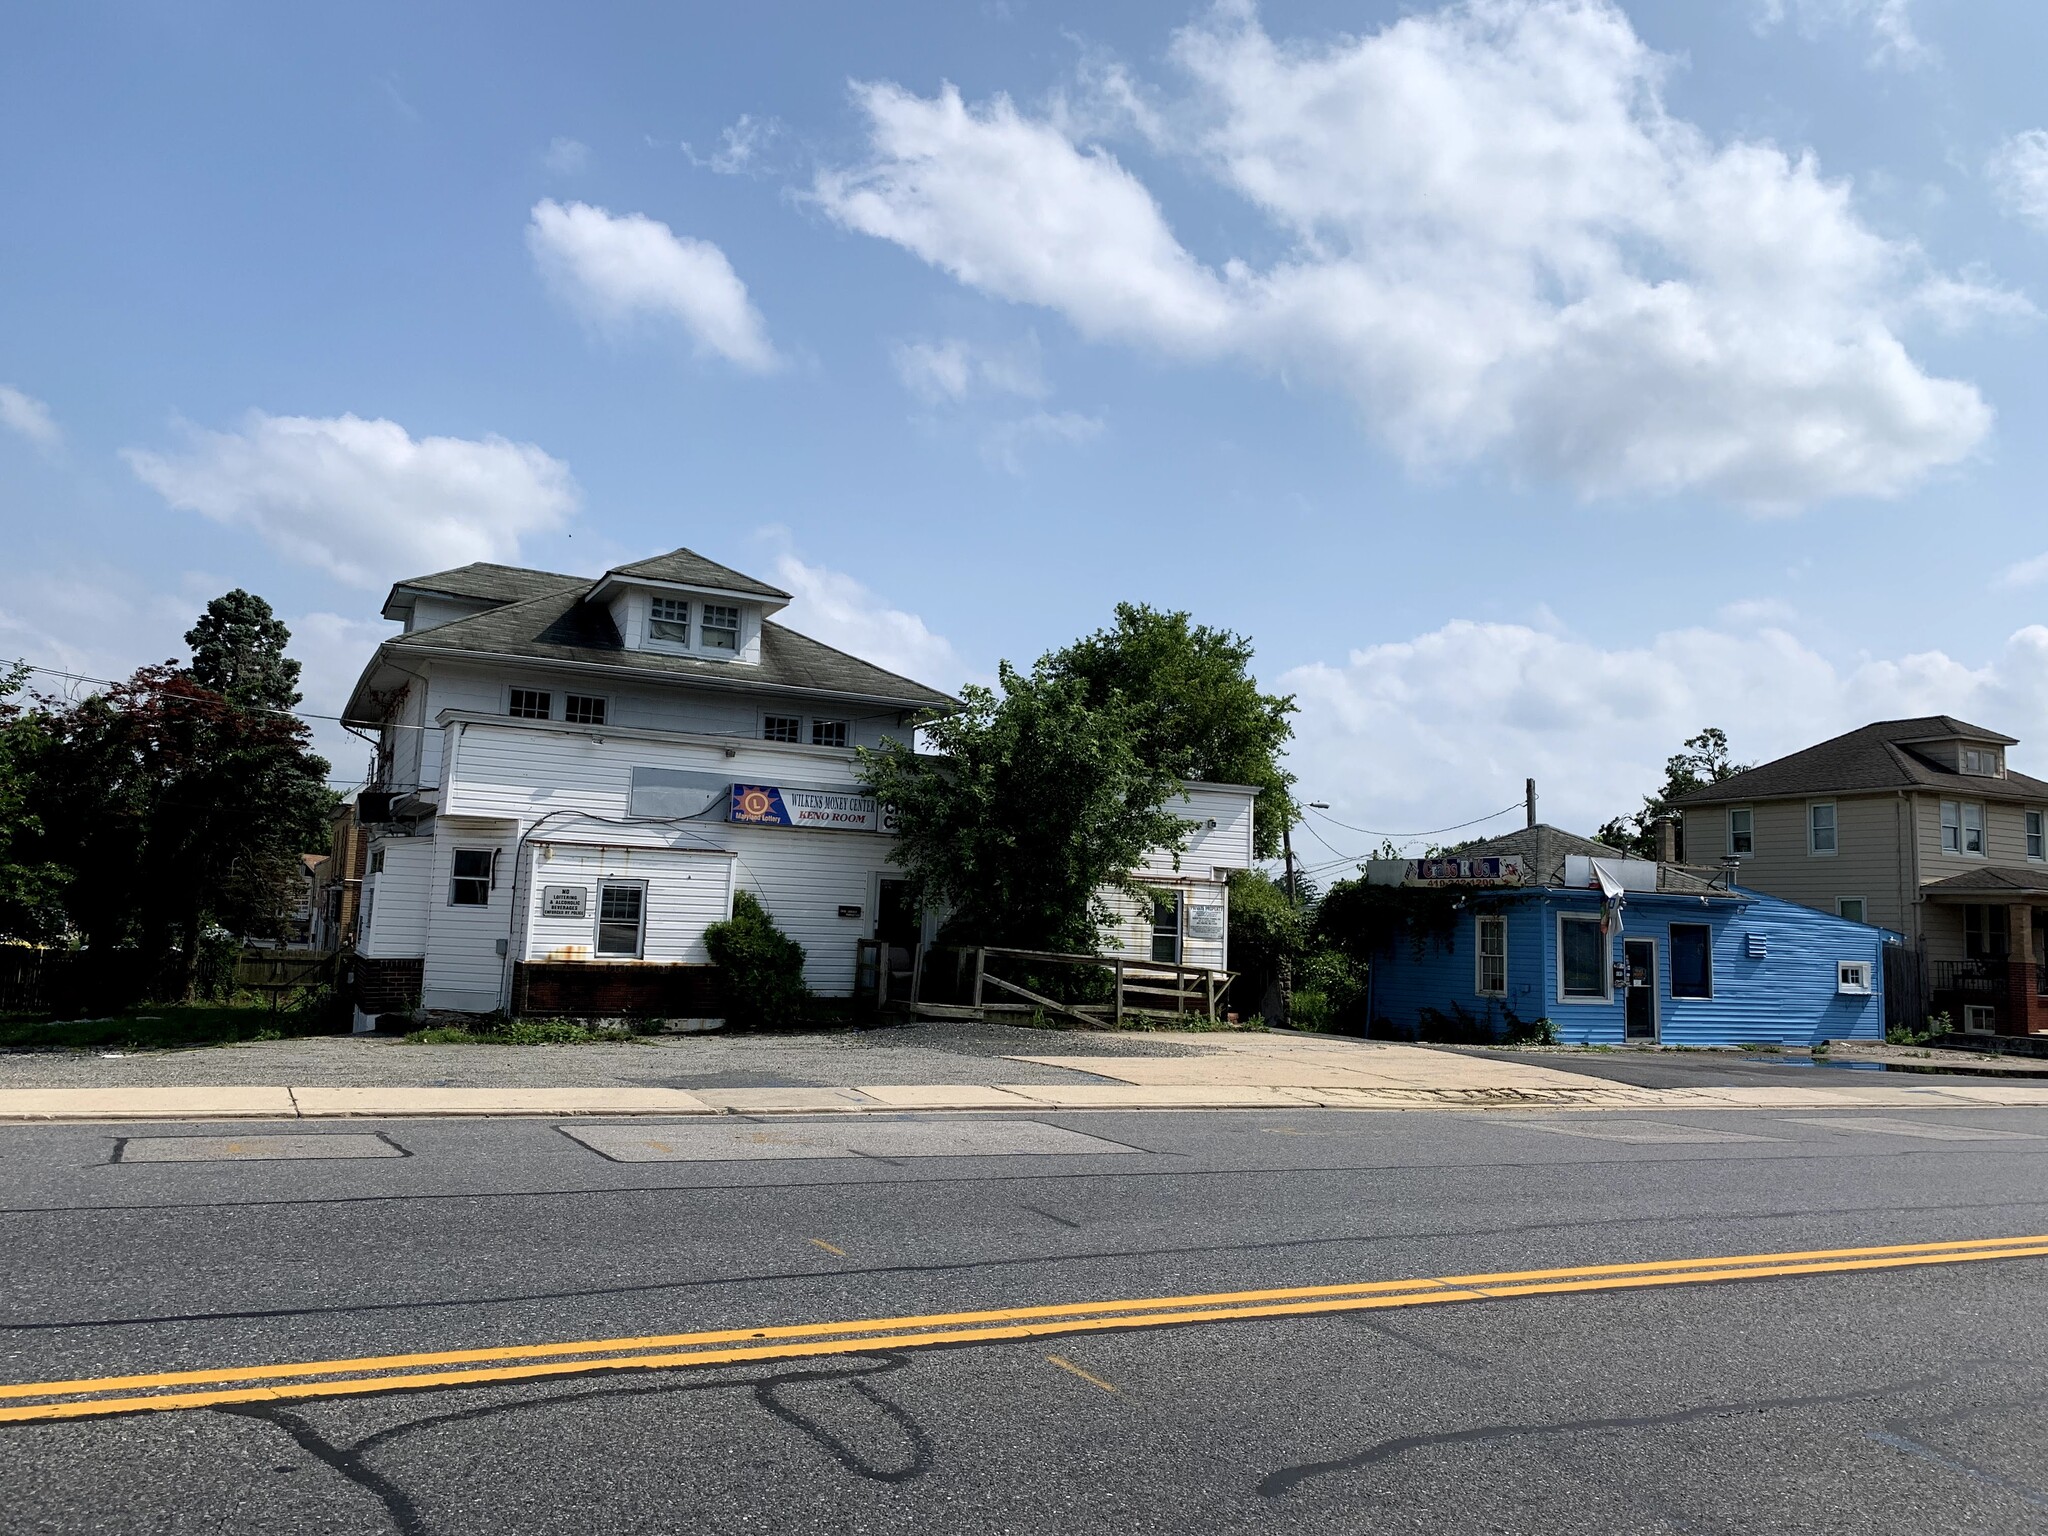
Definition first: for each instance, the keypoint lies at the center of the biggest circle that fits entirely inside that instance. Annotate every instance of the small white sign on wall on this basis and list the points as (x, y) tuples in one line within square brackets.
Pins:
[(1205, 922), (564, 900)]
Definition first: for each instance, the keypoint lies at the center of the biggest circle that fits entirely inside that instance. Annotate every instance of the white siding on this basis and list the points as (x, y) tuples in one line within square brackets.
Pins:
[(688, 889), (398, 905), (1131, 930), (1227, 845), (464, 970)]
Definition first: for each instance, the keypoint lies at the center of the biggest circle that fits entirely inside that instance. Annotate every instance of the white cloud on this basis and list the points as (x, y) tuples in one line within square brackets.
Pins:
[(1431, 731), (1893, 40), (2024, 573), (617, 269), (1497, 241), (2019, 175), (364, 500), (742, 148), (1006, 443), (838, 609), (951, 370), (566, 157), (28, 417)]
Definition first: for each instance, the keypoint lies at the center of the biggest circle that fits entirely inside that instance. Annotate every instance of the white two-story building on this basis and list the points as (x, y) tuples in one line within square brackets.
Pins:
[(574, 776)]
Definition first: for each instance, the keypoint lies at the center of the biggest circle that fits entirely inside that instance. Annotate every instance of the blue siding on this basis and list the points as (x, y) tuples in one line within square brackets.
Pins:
[(1786, 997)]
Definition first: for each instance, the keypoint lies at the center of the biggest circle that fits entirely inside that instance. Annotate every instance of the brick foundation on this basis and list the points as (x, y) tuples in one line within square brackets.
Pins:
[(379, 985), (583, 989)]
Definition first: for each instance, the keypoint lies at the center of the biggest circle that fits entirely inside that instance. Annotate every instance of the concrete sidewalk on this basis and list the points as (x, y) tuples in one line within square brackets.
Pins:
[(1251, 1071)]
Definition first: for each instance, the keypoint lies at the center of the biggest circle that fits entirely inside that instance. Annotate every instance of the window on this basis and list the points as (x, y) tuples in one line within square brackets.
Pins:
[(1493, 957), (369, 906), (1741, 830), (669, 620), (782, 728), (1582, 958), (530, 704), (1692, 960), (2035, 848), (1962, 827), (720, 629), (1987, 932), (376, 861), (1851, 907), (1166, 928), (583, 709), (1979, 1020), (470, 885), (1853, 976), (828, 733), (1820, 827), (1981, 760), (621, 917)]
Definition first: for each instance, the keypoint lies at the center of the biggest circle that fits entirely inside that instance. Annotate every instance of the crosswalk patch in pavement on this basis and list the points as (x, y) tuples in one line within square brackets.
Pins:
[(752, 1141), (1920, 1128), (252, 1149), (1648, 1132)]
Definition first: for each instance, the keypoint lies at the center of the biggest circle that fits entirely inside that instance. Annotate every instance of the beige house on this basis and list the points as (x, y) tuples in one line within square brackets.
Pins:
[(1914, 825)]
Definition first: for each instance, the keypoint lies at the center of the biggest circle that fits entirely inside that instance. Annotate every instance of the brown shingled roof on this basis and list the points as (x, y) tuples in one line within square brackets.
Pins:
[(1871, 760)]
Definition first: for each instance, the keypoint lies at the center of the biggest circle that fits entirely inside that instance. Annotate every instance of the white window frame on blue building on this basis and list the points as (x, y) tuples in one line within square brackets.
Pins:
[(1483, 959)]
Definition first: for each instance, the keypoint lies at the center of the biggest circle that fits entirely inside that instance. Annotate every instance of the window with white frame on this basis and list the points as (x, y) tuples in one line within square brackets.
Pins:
[(669, 619), (1492, 957), (719, 629), (782, 728), (828, 733), (1853, 976), (1820, 827), (469, 883), (2035, 848), (1979, 1019), (376, 861), (1741, 830), (1962, 827), (530, 704), (1850, 907), (583, 709), (1581, 958), (1981, 760), (621, 919)]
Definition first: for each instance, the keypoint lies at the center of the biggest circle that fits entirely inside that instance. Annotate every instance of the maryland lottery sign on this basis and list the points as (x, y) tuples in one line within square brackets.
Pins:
[(770, 805)]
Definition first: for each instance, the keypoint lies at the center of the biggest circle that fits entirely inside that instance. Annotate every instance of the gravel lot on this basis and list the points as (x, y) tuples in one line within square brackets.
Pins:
[(922, 1052)]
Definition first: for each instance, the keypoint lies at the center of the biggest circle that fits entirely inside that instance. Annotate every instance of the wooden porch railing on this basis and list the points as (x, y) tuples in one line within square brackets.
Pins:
[(973, 990)]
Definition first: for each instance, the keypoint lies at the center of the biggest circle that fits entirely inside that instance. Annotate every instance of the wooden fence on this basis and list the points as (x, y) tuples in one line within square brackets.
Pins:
[(973, 983), (64, 981)]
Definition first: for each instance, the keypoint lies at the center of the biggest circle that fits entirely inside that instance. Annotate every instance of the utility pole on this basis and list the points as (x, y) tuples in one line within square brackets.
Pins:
[(1287, 849), (1529, 794)]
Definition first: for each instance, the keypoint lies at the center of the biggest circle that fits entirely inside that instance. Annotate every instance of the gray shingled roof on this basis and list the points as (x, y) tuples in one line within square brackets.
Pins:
[(1994, 880), (1870, 760), (490, 583), (560, 626), (1541, 848), (693, 570)]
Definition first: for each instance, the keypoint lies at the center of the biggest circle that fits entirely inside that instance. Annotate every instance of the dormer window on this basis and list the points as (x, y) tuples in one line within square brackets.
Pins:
[(670, 620), (719, 630), (1981, 760)]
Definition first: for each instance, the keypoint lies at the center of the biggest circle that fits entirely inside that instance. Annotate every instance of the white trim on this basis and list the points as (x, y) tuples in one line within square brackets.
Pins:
[(2033, 833), (1733, 851), (1853, 977), (1606, 997), (505, 697), (1479, 986), (1834, 829), (761, 718), (604, 702), (597, 951)]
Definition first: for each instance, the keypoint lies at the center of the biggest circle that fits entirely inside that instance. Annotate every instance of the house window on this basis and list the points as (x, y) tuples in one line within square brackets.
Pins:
[(621, 920), (1987, 932), (1493, 957), (1962, 827), (1741, 830), (1820, 827), (1582, 958), (828, 733), (720, 629), (1981, 760), (1853, 976), (470, 884), (669, 620), (1979, 1020), (1851, 907), (369, 906), (1166, 928), (531, 704), (583, 709), (2035, 849), (1692, 960), (782, 728), (376, 861)]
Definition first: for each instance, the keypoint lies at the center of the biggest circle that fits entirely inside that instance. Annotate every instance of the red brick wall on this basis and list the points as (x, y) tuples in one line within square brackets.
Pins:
[(588, 989), (385, 985)]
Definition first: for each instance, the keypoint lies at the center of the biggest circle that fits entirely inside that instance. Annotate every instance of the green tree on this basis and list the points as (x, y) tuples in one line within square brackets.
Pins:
[(1192, 703), (1703, 759), (1037, 800), (31, 885), (238, 652)]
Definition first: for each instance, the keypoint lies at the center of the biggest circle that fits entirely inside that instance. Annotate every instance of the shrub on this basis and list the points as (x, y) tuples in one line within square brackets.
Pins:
[(763, 967)]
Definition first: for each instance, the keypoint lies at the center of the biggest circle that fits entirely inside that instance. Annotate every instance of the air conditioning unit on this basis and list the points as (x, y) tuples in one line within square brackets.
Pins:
[(373, 805)]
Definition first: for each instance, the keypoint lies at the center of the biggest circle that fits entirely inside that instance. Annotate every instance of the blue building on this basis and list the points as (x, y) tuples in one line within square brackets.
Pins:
[(1545, 925)]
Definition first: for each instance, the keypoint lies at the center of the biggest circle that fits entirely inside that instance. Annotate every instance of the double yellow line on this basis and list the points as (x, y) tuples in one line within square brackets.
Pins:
[(93, 1397)]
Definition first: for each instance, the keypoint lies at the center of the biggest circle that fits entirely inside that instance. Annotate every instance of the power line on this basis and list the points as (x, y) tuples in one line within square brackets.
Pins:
[(1427, 832), (303, 714)]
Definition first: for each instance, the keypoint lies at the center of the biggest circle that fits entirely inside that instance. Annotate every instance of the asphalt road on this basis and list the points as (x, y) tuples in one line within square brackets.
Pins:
[(1904, 1399)]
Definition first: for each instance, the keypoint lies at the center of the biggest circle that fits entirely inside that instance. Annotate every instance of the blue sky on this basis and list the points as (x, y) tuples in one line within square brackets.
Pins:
[(1535, 382)]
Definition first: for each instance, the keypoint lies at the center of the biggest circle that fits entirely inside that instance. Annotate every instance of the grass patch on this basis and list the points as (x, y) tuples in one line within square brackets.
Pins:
[(171, 1026), (520, 1032)]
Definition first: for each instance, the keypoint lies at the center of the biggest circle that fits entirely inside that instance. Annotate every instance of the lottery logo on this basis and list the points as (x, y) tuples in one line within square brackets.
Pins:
[(754, 804)]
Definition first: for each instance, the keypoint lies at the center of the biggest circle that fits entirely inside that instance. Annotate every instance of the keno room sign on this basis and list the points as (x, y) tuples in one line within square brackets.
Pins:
[(769, 805)]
